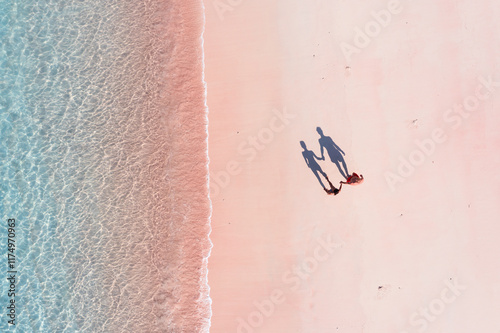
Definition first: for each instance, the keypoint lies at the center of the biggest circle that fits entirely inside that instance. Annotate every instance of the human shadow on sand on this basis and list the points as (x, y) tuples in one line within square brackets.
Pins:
[(334, 152), (310, 158)]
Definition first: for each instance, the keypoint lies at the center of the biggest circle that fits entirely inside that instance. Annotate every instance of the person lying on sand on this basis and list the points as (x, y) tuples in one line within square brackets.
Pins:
[(354, 179), (332, 189)]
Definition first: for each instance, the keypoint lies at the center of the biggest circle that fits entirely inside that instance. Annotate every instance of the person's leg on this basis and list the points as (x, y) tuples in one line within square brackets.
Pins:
[(336, 190), (318, 168), (344, 165), (319, 178), (331, 185), (340, 169)]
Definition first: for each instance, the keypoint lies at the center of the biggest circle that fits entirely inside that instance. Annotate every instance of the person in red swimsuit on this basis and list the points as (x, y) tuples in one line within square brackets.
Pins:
[(354, 179)]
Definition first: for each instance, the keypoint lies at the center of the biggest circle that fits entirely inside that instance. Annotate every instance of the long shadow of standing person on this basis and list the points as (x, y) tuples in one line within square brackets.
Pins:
[(310, 158), (334, 152)]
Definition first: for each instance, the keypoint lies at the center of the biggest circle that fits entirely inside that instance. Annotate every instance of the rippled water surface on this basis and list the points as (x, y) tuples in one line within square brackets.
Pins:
[(86, 143)]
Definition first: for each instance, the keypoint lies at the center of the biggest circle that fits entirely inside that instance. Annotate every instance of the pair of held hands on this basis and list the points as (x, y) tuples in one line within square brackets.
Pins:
[(322, 158)]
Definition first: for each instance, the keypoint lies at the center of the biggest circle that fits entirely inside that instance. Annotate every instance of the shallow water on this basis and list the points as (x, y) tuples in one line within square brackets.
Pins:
[(90, 142)]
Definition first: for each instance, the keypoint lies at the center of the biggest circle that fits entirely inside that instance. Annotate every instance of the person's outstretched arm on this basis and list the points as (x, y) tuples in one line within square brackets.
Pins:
[(338, 148), (322, 152)]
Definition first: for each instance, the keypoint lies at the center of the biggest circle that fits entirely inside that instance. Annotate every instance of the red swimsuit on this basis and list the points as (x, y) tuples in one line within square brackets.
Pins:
[(354, 179)]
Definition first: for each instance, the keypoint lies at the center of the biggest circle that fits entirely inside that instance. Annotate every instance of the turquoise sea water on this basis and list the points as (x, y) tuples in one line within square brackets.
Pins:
[(85, 154)]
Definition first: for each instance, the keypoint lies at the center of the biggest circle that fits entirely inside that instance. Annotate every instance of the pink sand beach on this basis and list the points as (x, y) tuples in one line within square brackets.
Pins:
[(410, 92)]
